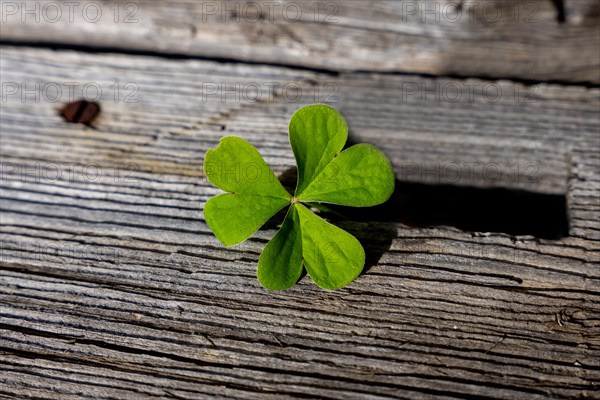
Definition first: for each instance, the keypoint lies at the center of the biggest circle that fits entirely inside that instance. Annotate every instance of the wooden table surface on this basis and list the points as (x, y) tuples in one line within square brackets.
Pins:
[(482, 278)]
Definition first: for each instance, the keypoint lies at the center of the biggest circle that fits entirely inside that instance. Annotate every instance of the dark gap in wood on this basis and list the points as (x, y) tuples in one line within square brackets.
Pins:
[(482, 77), (514, 212), (326, 71), (561, 16), (499, 210), (93, 49)]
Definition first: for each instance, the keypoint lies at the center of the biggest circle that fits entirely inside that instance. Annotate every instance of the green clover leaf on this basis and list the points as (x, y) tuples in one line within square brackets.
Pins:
[(360, 176)]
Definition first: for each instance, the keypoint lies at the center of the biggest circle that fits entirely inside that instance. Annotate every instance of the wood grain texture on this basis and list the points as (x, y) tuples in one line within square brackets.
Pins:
[(520, 39), (112, 285)]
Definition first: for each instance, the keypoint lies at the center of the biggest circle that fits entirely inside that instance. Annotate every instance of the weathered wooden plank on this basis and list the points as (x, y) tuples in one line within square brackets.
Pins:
[(114, 287), (180, 105), (515, 39)]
